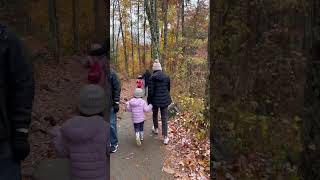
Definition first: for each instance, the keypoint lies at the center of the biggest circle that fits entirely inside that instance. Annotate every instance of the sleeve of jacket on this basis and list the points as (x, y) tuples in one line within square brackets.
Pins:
[(59, 142), (150, 90), (20, 83), (116, 89)]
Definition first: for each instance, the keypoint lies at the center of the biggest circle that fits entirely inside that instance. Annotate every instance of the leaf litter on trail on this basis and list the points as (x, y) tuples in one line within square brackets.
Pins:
[(187, 157)]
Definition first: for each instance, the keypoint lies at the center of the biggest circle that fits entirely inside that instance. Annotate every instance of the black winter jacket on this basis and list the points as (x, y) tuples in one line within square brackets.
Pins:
[(115, 87), (16, 85), (159, 90)]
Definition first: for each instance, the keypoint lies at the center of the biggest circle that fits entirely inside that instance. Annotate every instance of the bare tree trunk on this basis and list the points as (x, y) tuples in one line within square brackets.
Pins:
[(138, 29), (165, 30), (132, 46), (100, 19), (117, 49), (123, 41), (54, 29), (182, 25), (113, 29), (178, 24), (75, 25), (151, 10), (144, 33)]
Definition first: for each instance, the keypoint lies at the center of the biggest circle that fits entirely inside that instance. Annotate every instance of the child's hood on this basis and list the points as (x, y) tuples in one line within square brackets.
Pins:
[(80, 129), (134, 102)]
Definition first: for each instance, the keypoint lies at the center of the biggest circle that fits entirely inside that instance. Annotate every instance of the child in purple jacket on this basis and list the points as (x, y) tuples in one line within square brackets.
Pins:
[(138, 107), (83, 139)]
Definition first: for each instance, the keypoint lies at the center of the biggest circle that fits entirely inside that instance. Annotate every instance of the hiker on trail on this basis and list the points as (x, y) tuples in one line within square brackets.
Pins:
[(115, 97), (83, 139), (159, 97), (16, 99), (97, 65), (138, 107), (146, 77), (140, 82)]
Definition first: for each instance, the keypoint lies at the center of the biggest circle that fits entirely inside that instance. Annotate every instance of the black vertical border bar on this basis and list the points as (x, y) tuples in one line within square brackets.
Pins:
[(107, 86)]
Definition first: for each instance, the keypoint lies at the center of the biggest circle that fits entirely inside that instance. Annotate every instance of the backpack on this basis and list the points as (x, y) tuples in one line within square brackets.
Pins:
[(139, 83), (94, 75)]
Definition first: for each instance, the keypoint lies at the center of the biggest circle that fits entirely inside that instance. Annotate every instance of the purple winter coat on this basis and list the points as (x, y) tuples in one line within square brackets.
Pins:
[(83, 140), (138, 107)]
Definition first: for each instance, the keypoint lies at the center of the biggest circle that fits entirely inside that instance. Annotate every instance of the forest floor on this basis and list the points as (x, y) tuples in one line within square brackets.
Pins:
[(57, 87)]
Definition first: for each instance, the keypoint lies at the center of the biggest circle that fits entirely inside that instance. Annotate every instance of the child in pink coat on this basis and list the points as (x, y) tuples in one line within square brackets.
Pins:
[(138, 107)]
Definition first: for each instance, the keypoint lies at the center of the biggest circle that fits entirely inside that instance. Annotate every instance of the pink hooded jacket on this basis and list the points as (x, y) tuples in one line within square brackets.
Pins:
[(83, 140), (138, 107)]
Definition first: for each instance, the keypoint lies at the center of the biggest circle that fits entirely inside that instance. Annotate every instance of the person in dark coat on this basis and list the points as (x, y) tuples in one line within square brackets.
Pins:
[(146, 77), (159, 97), (16, 99), (115, 97)]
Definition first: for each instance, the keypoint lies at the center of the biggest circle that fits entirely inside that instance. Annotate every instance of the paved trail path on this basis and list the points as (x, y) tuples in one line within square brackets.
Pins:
[(131, 162)]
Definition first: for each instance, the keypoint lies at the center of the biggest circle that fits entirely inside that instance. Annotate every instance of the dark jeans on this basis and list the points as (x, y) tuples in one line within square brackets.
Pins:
[(138, 127), (164, 119), (113, 128), (9, 168)]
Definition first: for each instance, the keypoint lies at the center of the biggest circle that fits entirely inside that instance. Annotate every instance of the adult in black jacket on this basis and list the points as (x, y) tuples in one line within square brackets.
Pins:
[(159, 97), (115, 97), (16, 99), (146, 77)]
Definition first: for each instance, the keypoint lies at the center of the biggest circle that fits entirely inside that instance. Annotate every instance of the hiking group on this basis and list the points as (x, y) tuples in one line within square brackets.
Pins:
[(86, 138)]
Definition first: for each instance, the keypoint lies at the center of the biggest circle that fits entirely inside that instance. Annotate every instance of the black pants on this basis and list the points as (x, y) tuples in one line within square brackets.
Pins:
[(164, 119), (138, 127), (9, 168)]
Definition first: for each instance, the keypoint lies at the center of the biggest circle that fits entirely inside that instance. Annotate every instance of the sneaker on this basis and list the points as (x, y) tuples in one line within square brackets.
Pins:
[(141, 135), (155, 131), (165, 140), (114, 149), (138, 139)]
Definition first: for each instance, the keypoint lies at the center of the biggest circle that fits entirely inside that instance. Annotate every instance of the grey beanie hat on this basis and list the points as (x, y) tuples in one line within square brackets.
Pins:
[(92, 99), (138, 93)]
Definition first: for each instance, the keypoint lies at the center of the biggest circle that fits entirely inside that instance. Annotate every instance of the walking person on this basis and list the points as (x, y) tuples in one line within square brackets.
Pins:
[(16, 99), (97, 65), (146, 77), (83, 139), (138, 107), (159, 97), (115, 98)]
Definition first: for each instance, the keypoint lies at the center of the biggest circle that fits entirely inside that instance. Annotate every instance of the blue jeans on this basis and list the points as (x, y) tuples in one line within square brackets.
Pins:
[(9, 168), (113, 128)]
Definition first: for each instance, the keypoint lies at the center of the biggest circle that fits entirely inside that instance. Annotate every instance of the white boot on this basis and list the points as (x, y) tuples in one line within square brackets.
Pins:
[(155, 131), (138, 139), (141, 135)]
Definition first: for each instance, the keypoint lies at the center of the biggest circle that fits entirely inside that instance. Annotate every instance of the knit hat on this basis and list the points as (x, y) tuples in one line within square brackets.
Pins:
[(138, 93), (92, 99), (156, 65)]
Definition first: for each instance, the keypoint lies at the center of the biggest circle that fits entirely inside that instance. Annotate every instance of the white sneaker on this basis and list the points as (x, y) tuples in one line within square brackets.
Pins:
[(141, 135), (138, 139), (155, 131), (166, 140)]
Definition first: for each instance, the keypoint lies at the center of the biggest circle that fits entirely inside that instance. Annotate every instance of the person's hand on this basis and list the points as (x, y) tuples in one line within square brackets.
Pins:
[(20, 146), (116, 108)]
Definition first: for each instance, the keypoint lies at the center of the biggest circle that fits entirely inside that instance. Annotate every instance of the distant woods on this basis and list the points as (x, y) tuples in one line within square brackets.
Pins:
[(58, 26), (145, 30)]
